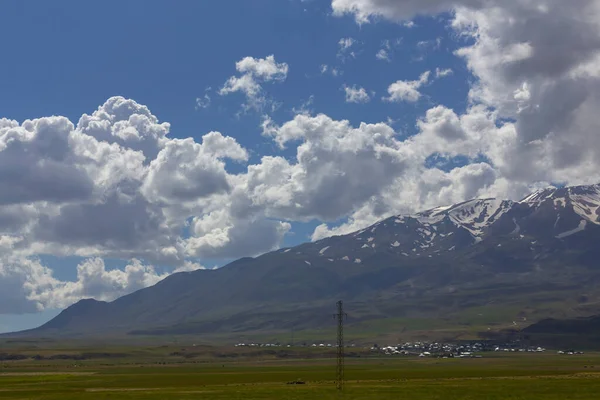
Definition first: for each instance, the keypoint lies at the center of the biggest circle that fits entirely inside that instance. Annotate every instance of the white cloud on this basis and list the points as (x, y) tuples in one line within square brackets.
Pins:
[(114, 186), (334, 71), (264, 68), (387, 49), (305, 107), (137, 206), (407, 90), (425, 45), (532, 62), (531, 117), (337, 168), (442, 73), (38, 164), (365, 10), (346, 46), (203, 102), (383, 55), (527, 57), (187, 171), (123, 122), (346, 43), (417, 190), (27, 286), (355, 94), (416, 186), (223, 233), (254, 72)]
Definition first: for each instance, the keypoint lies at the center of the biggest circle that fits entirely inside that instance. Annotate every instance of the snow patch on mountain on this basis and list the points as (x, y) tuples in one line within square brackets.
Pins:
[(584, 200), (453, 227), (538, 197), (517, 229), (474, 215), (579, 228), (587, 204)]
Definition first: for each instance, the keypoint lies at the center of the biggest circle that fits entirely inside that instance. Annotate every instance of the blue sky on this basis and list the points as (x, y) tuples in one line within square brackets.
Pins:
[(68, 57)]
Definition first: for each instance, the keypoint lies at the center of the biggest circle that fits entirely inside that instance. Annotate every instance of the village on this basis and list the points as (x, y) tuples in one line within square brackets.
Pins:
[(430, 349), (452, 350)]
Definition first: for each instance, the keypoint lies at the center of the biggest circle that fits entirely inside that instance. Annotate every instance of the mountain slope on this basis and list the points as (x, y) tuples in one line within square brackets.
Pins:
[(535, 257), (578, 333)]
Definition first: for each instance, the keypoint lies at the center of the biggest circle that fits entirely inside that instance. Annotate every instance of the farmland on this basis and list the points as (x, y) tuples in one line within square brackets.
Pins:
[(176, 372)]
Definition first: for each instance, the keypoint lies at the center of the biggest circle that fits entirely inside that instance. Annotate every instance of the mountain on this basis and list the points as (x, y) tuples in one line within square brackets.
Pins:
[(478, 265), (578, 326), (577, 333)]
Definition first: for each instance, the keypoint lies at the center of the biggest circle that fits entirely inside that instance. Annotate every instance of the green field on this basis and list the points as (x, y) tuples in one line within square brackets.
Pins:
[(218, 373)]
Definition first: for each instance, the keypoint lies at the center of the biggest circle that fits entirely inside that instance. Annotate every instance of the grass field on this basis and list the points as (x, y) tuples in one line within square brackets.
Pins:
[(160, 373)]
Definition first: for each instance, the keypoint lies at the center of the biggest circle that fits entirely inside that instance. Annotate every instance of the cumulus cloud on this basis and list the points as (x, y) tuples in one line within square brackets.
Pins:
[(20, 281), (38, 164), (356, 94), (419, 188), (126, 123), (337, 167), (407, 90), (137, 207), (253, 73), (186, 171), (118, 226), (115, 185), (476, 135), (27, 286), (533, 63), (365, 10), (222, 233), (132, 191), (111, 150)]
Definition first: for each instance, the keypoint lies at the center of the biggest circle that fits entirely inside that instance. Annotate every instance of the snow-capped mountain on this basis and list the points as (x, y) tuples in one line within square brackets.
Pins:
[(584, 201), (537, 256), (546, 215)]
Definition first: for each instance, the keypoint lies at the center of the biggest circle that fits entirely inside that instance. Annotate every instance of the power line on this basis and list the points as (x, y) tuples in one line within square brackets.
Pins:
[(340, 316)]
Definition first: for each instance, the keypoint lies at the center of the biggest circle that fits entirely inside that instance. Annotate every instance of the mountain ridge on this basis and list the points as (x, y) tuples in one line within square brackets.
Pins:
[(439, 262)]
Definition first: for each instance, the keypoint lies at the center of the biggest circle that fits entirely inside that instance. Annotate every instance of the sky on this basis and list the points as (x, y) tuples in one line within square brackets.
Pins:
[(142, 138)]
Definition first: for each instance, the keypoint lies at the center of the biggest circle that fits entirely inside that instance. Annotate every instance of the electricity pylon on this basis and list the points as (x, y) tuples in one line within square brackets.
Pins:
[(340, 316)]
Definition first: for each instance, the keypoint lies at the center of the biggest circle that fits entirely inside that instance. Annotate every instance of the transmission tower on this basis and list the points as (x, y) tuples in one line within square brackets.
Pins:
[(340, 316)]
